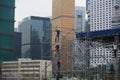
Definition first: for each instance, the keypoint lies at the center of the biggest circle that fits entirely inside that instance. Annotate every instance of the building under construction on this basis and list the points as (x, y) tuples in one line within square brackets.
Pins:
[(108, 39)]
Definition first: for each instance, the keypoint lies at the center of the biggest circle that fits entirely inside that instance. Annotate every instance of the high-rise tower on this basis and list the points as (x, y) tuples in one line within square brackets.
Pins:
[(100, 13), (6, 29), (63, 22), (36, 37)]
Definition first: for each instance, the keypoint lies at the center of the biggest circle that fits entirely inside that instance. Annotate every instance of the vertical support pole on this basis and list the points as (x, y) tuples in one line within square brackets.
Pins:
[(73, 58)]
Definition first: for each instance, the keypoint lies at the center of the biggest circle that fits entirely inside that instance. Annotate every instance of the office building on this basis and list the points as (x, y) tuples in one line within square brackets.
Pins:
[(27, 69), (17, 45), (100, 13), (36, 37), (63, 21), (7, 29), (80, 19)]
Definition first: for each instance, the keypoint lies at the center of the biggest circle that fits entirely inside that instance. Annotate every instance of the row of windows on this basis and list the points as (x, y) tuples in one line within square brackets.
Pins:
[(104, 7), (100, 15), (101, 50), (99, 55), (100, 60), (100, 26), (101, 23)]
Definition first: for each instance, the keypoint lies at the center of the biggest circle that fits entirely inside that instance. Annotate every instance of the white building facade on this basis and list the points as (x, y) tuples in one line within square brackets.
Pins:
[(100, 13), (27, 69)]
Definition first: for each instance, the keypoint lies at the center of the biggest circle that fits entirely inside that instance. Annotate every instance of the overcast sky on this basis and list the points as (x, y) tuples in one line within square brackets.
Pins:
[(43, 8)]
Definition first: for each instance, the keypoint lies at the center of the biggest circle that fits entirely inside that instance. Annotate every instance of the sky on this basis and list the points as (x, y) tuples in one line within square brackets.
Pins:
[(43, 8)]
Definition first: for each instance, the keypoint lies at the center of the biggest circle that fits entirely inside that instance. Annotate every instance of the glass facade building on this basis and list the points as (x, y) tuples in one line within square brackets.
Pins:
[(7, 10), (80, 19), (17, 45), (36, 37)]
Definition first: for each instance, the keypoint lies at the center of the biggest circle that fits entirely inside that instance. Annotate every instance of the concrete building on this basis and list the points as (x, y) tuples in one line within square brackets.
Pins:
[(27, 69), (63, 20), (100, 13), (36, 37)]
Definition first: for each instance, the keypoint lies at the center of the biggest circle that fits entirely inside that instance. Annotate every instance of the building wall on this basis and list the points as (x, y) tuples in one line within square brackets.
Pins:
[(6, 29), (27, 69), (36, 37), (17, 45), (63, 20)]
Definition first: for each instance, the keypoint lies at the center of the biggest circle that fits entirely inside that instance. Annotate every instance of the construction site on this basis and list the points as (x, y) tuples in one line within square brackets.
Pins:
[(68, 63), (76, 55)]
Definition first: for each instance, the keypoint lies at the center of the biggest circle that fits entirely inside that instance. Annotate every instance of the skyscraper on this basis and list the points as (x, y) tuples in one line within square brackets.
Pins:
[(79, 19), (63, 21), (7, 29), (100, 13), (36, 37)]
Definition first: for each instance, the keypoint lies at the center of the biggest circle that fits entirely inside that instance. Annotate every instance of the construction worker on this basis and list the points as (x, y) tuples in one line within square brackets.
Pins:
[(58, 65), (57, 50), (57, 47), (57, 35), (115, 50)]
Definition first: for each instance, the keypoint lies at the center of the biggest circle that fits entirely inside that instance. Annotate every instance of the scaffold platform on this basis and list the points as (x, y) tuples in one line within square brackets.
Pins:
[(101, 33)]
